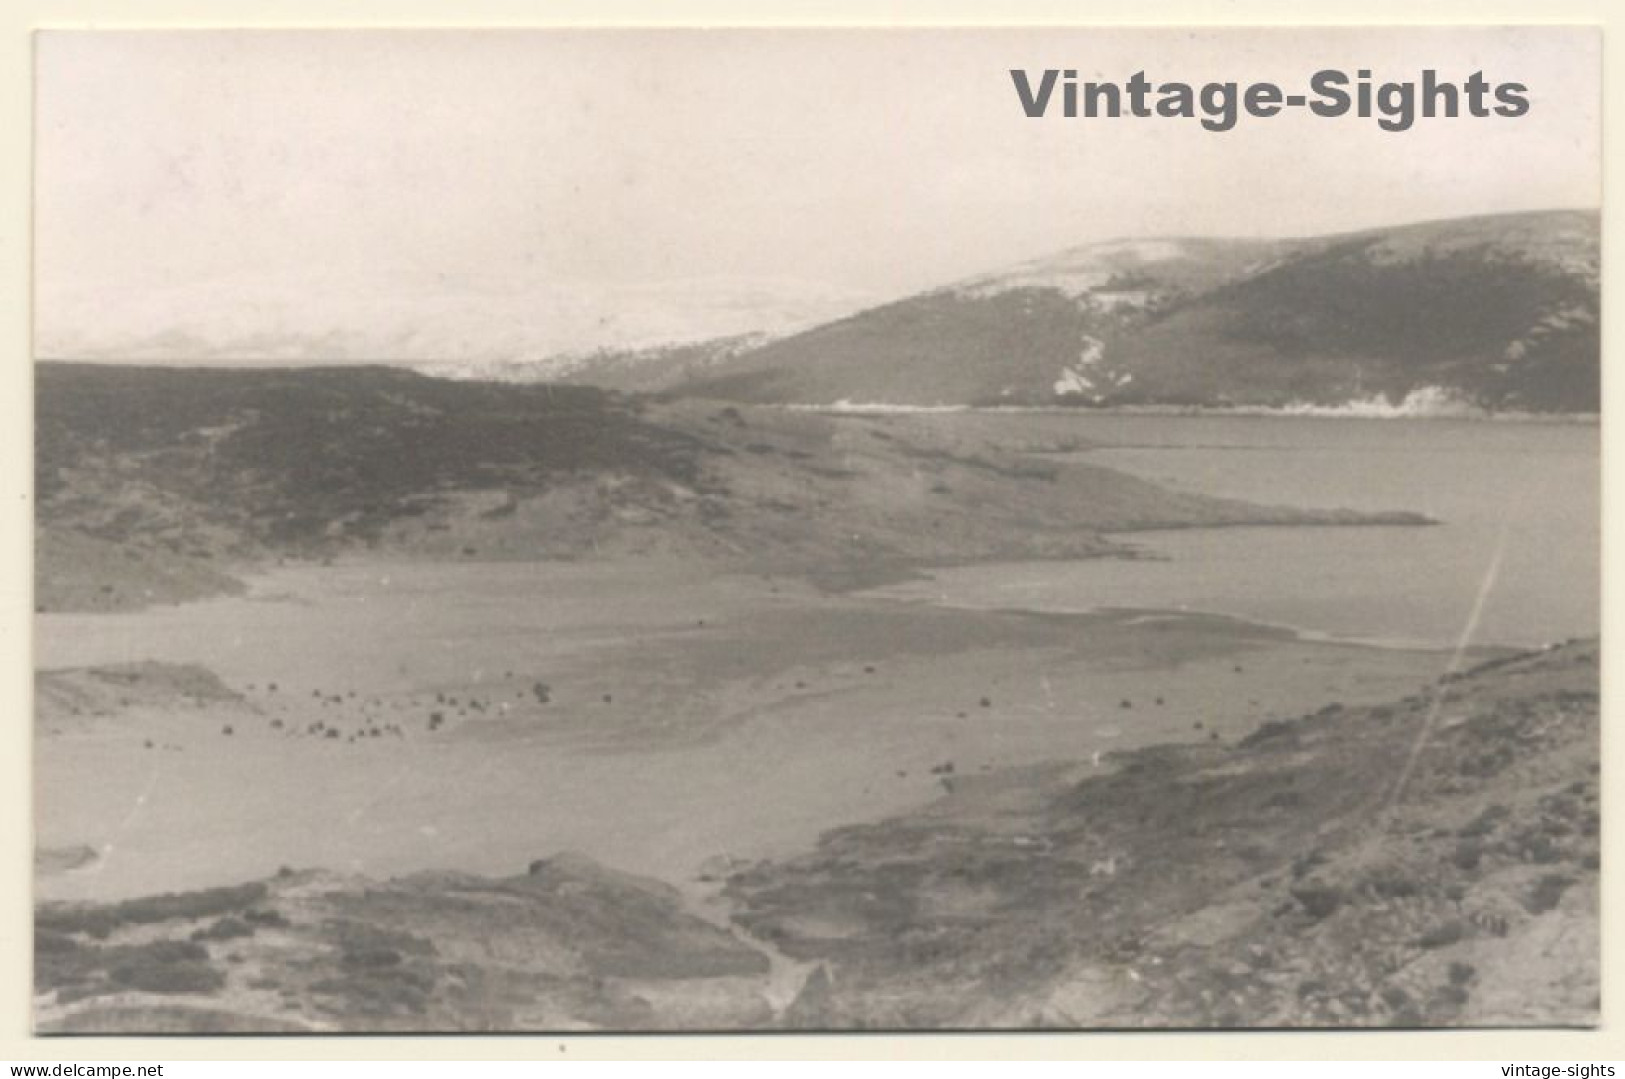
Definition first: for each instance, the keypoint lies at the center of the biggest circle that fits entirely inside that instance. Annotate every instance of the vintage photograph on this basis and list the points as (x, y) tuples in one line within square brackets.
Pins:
[(830, 529)]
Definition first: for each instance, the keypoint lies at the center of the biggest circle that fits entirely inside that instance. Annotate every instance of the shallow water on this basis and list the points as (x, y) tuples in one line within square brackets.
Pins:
[(1518, 504)]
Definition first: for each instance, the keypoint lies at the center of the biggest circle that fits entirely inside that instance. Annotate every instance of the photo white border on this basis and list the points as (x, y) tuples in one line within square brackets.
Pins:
[(18, 18)]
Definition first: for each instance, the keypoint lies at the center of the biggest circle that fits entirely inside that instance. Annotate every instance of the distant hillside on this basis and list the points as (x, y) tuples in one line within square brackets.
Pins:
[(1495, 313), (646, 369), (415, 314), (160, 484)]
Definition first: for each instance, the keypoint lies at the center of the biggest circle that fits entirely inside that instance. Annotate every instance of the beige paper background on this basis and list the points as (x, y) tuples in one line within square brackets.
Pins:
[(18, 18)]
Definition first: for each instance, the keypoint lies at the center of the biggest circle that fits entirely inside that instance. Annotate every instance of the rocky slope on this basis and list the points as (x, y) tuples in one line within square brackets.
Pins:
[(569, 945), (1433, 862), (1494, 313), (1287, 880)]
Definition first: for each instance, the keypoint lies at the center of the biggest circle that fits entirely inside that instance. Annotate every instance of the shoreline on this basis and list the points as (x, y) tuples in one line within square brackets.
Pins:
[(1296, 633), (1289, 412), (1363, 410)]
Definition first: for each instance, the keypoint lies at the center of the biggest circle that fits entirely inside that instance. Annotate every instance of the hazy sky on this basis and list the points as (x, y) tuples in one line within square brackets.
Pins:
[(342, 194)]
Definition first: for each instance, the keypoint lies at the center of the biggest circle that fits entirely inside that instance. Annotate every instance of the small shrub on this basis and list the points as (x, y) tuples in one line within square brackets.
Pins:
[(1284, 800), (1547, 893), (227, 928), (269, 918), (1442, 936), (1318, 900), (166, 966), (1393, 882)]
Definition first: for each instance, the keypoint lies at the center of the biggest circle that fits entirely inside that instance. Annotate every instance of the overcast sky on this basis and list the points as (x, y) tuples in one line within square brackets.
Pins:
[(338, 194)]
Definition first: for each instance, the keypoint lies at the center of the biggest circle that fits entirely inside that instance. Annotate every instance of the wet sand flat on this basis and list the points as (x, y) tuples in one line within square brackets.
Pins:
[(686, 716)]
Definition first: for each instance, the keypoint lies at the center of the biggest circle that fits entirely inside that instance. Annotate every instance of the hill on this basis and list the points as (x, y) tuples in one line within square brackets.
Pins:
[(1495, 313), (569, 945), (1304, 876), (163, 484)]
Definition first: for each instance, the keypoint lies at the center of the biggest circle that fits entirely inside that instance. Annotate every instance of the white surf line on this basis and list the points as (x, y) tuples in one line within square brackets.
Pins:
[(1491, 574), (110, 843)]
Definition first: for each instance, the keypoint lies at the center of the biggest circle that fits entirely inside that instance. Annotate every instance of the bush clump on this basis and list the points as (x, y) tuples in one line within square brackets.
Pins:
[(166, 966)]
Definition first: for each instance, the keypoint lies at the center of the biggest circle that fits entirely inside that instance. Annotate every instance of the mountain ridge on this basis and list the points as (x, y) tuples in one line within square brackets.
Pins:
[(1483, 314), (1491, 312)]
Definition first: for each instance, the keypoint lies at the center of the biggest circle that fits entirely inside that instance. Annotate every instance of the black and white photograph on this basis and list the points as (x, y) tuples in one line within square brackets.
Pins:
[(816, 529)]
